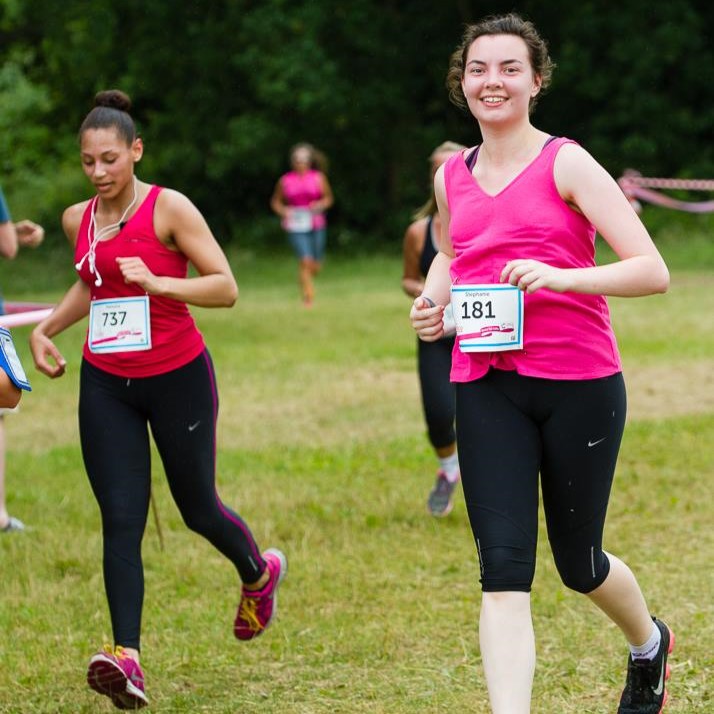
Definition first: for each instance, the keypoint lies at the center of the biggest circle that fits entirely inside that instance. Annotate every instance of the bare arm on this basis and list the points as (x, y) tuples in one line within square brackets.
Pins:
[(277, 201), (438, 282), (179, 222), (585, 185), (412, 280), (427, 313), (9, 393), (71, 308), (327, 196), (29, 234), (23, 233), (8, 240)]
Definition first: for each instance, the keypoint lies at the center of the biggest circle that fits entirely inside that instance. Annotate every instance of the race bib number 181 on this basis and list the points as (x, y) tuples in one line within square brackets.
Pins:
[(489, 318)]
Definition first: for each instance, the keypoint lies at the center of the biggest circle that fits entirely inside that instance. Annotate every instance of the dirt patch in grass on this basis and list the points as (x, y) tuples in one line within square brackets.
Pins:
[(660, 391)]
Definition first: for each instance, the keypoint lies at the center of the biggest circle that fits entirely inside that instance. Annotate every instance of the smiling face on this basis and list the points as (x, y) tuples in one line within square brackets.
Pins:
[(498, 81), (108, 161)]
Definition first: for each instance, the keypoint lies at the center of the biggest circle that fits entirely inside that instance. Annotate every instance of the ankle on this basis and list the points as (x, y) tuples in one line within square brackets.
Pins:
[(130, 652), (260, 583)]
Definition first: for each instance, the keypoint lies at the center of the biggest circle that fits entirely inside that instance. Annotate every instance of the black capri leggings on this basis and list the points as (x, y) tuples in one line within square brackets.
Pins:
[(437, 391), (511, 428), (181, 408)]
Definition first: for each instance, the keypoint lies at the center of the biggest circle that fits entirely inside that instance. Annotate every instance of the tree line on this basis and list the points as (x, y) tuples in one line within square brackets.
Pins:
[(223, 88)]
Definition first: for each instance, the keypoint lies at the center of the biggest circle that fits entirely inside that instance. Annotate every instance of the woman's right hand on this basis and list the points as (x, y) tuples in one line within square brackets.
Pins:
[(427, 319), (47, 357), (29, 234)]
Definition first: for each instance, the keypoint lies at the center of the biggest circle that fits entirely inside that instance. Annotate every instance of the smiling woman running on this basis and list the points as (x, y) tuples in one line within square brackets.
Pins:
[(539, 388), (145, 364)]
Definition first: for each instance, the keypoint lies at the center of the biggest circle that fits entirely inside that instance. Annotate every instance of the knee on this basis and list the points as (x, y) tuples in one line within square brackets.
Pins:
[(582, 571), (441, 434), (199, 522), (506, 568)]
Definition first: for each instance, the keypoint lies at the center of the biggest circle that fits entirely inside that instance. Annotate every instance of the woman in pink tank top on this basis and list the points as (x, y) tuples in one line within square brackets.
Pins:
[(146, 369), (540, 400), (300, 199)]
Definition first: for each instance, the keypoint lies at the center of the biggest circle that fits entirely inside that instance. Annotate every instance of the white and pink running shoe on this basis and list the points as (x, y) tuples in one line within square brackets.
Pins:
[(117, 676)]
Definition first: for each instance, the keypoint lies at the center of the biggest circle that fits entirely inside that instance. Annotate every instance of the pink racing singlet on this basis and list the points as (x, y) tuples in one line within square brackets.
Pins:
[(175, 339), (566, 335), (300, 190)]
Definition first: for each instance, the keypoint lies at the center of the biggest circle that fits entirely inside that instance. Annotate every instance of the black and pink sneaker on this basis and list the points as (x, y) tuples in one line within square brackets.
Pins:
[(257, 608), (117, 676), (644, 691)]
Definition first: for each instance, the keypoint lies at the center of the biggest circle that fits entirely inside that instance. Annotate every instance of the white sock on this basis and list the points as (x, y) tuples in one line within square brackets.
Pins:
[(450, 466), (649, 649)]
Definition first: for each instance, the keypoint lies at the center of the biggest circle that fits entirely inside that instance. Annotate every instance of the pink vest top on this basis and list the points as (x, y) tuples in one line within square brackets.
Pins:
[(300, 190), (175, 340), (566, 335)]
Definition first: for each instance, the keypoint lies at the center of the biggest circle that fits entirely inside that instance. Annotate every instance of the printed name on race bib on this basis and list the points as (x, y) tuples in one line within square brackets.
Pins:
[(119, 325), (489, 318)]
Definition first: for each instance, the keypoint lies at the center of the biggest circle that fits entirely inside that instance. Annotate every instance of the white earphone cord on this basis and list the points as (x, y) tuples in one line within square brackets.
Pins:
[(95, 236)]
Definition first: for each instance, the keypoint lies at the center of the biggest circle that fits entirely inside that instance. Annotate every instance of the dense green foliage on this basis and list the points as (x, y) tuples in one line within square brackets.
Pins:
[(223, 88)]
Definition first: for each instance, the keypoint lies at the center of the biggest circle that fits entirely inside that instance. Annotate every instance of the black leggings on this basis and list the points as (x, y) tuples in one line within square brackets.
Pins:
[(511, 428), (181, 408), (437, 391)]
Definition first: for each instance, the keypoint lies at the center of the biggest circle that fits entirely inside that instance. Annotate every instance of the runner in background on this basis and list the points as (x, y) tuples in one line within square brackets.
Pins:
[(539, 387), (421, 244), (23, 234), (145, 365), (301, 198)]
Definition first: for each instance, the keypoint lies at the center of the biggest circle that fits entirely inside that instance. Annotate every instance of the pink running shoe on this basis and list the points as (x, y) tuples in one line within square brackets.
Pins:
[(257, 608), (117, 676)]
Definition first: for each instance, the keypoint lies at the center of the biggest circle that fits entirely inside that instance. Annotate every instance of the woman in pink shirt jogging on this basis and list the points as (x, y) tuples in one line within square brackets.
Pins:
[(300, 198), (145, 366), (539, 388)]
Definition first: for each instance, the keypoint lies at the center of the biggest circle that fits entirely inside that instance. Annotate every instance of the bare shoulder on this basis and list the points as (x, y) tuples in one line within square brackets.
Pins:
[(572, 157), (576, 170), (416, 232), (72, 218), (174, 201), (177, 220)]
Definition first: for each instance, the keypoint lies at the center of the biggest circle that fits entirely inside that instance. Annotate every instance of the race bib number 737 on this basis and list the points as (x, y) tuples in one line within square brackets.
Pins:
[(120, 325)]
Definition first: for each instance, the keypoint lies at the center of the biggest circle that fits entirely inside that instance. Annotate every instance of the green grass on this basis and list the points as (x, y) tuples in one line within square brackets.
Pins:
[(322, 450)]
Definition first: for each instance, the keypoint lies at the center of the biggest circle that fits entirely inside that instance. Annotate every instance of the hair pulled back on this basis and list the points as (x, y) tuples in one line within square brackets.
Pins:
[(111, 111), (430, 208), (318, 160)]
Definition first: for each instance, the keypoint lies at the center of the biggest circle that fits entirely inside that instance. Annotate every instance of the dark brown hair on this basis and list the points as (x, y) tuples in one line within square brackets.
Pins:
[(510, 24), (111, 111)]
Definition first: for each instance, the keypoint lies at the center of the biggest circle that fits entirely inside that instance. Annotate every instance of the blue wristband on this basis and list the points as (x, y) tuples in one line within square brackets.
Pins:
[(429, 300)]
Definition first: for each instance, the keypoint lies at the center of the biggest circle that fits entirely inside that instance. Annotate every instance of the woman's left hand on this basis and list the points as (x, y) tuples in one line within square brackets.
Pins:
[(532, 275), (135, 271)]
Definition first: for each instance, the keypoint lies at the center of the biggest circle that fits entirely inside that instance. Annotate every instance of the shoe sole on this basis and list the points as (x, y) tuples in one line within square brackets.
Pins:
[(281, 576), (668, 669), (105, 677)]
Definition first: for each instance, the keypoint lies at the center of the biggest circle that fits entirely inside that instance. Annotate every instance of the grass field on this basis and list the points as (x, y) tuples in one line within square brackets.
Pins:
[(322, 450)]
